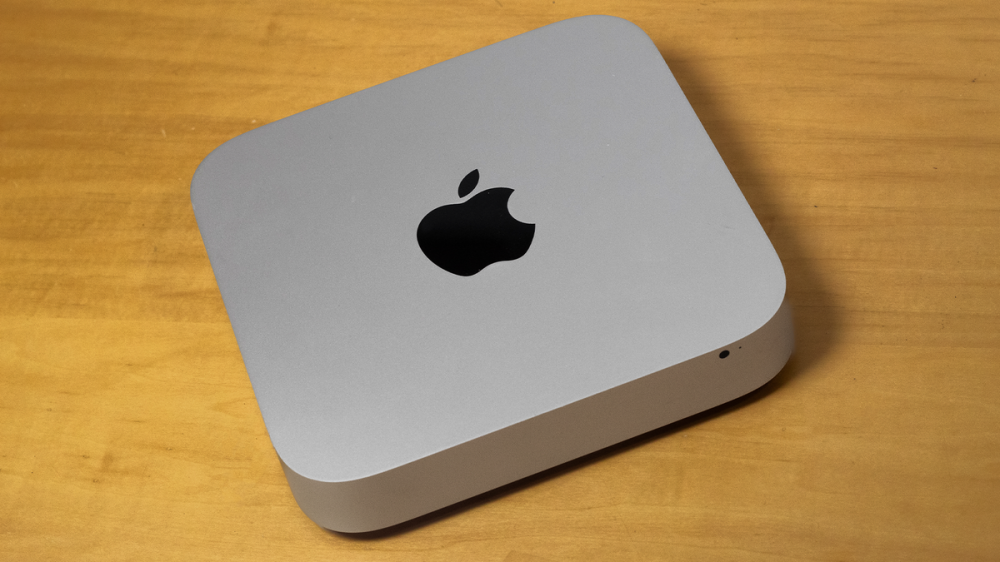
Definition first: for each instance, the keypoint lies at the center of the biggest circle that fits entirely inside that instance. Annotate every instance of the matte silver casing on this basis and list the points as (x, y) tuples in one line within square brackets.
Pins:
[(390, 387)]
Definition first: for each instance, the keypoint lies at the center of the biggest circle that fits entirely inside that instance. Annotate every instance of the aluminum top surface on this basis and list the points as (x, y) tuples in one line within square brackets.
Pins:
[(364, 355)]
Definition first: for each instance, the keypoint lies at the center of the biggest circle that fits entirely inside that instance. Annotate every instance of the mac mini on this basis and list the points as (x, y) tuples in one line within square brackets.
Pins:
[(487, 268)]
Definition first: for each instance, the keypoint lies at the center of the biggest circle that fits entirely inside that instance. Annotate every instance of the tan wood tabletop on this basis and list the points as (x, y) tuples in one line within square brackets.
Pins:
[(865, 135)]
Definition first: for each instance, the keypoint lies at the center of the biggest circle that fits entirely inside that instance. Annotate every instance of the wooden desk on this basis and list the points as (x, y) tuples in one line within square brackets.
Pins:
[(866, 136)]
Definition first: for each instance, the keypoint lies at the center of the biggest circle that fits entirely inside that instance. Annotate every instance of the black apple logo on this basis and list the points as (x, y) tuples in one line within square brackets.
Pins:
[(464, 238)]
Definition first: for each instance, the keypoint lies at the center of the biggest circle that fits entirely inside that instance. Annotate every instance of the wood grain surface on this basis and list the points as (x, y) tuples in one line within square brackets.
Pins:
[(865, 135)]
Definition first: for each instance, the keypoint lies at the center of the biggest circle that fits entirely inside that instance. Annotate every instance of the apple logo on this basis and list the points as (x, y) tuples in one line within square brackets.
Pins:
[(463, 238)]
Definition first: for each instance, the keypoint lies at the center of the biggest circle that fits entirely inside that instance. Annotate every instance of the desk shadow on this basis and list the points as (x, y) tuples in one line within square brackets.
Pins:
[(812, 309)]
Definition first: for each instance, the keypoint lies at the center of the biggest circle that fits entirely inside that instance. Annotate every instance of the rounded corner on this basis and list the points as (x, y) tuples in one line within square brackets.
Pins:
[(607, 21), (777, 337), (362, 505), (197, 188)]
